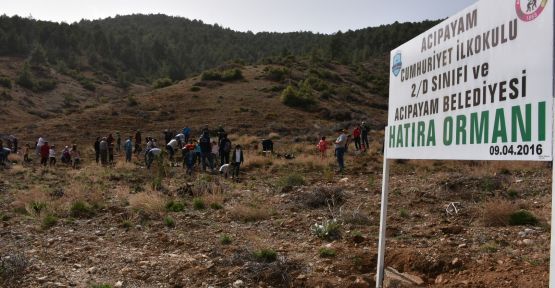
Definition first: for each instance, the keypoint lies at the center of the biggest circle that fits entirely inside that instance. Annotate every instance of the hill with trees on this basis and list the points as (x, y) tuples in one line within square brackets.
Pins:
[(143, 48)]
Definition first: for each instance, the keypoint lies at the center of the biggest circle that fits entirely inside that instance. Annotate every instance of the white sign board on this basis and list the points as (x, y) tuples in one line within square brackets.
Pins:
[(478, 86)]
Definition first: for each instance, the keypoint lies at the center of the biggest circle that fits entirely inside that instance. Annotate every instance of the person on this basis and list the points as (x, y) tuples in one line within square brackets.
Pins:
[(3, 153), (186, 134), (66, 156), (118, 142), (220, 132), (128, 147), (172, 147), (75, 156), (168, 136), (44, 153), (225, 149), (150, 155), (138, 148), (364, 133), (322, 147), (97, 149), (356, 137), (206, 151), (225, 170), (238, 159), (110, 141), (26, 153), (14, 143), (52, 155), (103, 148), (340, 144), (40, 142), (181, 139), (197, 152), (205, 130), (267, 146), (215, 151), (189, 157)]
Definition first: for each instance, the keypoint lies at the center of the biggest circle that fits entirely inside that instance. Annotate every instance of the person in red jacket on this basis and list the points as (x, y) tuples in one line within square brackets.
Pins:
[(356, 136), (322, 147), (44, 153)]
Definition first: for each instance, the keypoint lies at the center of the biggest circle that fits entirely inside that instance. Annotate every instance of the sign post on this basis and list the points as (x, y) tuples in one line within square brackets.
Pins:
[(477, 86)]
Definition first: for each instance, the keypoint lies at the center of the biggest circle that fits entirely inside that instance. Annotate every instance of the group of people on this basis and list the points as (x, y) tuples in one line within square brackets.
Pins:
[(341, 144), (204, 151)]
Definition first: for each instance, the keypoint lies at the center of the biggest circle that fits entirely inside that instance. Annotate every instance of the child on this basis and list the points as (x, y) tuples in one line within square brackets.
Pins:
[(76, 156), (66, 156), (322, 147), (52, 155), (224, 170), (26, 153), (189, 157)]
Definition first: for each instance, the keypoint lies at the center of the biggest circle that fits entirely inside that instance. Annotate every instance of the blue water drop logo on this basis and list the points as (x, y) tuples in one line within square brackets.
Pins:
[(397, 64)]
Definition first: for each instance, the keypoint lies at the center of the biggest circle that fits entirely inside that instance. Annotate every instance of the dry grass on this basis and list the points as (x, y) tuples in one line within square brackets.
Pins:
[(214, 200), (250, 213), (150, 201), (497, 212)]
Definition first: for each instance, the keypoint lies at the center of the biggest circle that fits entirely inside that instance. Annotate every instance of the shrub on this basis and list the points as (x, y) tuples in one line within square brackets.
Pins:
[(326, 252), (37, 207), (175, 206), (81, 209), (250, 213), (301, 98), (169, 222), (216, 206), (45, 85), (101, 286), (265, 255), (523, 217), (403, 213), (222, 75), (162, 82), (287, 183), (6, 82), (12, 267), (498, 212), (328, 230), (25, 78), (195, 89), (49, 221), (317, 84), (126, 224), (225, 239), (87, 84), (276, 73), (323, 196), (198, 204), (131, 102)]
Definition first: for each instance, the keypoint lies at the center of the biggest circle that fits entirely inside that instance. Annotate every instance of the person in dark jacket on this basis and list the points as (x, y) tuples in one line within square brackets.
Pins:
[(97, 149), (110, 141), (44, 153), (237, 159), (364, 129), (138, 141), (103, 151), (225, 149), (206, 151)]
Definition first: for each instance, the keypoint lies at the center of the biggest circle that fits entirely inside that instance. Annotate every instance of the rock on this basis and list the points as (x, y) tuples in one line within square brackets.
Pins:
[(118, 284), (238, 283), (395, 279), (344, 180), (439, 279), (527, 242)]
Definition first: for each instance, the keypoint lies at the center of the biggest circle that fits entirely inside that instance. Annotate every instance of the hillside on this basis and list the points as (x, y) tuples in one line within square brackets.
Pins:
[(142, 48), (250, 105)]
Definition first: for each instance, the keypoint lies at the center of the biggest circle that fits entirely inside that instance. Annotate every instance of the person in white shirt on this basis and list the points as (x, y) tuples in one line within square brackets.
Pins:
[(172, 146), (237, 160), (340, 149), (150, 155), (52, 155)]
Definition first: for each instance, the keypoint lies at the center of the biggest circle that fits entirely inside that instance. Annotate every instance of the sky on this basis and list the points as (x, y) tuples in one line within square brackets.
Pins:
[(323, 16)]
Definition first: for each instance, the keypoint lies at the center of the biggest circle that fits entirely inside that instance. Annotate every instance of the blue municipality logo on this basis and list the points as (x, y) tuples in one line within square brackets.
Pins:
[(397, 64)]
